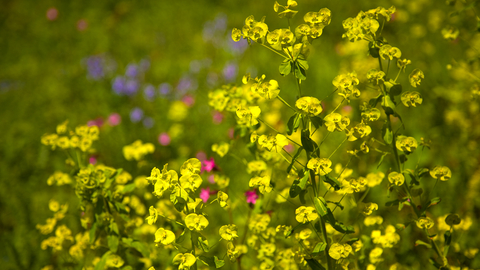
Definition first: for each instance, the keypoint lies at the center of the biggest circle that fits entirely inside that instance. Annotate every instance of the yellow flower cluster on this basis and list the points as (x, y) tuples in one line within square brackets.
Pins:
[(262, 182), (253, 30), (137, 150), (271, 143), (425, 223), (228, 232), (411, 98), (304, 214), (221, 148), (346, 84), (365, 24), (336, 122), (62, 233), (396, 178), (338, 251), (59, 213), (389, 52), (309, 106), (259, 223), (321, 166), (387, 240), (406, 144), (184, 260), (416, 77), (59, 178), (81, 138), (441, 172)]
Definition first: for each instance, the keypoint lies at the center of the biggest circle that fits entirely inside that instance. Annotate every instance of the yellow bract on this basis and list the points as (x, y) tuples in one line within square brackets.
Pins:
[(387, 51), (263, 182), (115, 261), (273, 144), (196, 222), (387, 240), (221, 149), (336, 122), (368, 208), (222, 198), (305, 214), (396, 178), (153, 215), (416, 77), (411, 98), (346, 83), (321, 166), (228, 232), (338, 251), (164, 237), (184, 260), (372, 220), (406, 144), (137, 150), (441, 172), (425, 223), (309, 106), (248, 116), (191, 166)]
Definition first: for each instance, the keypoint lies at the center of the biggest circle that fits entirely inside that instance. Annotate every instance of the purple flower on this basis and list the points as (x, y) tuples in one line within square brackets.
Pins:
[(92, 160), (148, 122), (221, 23), (252, 196), (95, 67), (238, 47), (136, 115), (165, 89), (230, 72), (118, 85), (131, 70), (149, 92), (131, 87), (144, 64)]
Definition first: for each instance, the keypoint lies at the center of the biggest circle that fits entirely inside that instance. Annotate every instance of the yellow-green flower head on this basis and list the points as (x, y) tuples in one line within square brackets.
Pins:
[(164, 237), (368, 208), (222, 198), (262, 182), (184, 260), (249, 115), (256, 166), (268, 90), (344, 81), (336, 122), (416, 77), (153, 215), (387, 51), (196, 222), (375, 255), (374, 179), (266, 250), (411, 98), (222, 181), (371, 114), (402, 64), (354, 185), (303, 234), (221, 149), (228, 232), (259, 223), (387, 240), (114, 261), (373, 220), (62, 128), (441, 172), (338, 251), (254, 30), (425, 223), (386, 13), (396, 178), (368, 25), (406, 144), (321, 166), (236, 34), (450, 33), (320, 18), (82, 131), (376, 76), (191, 182), (305, 214), (359, 131), (137, 150), (218, 99), (63, 142), (191, 166), (309, 106), (302, 30), (63, 233), (50, 140)]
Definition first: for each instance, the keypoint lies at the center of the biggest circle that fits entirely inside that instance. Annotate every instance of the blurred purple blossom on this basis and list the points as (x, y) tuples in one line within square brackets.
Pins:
[(148, 122), (164, 89), (131, 70), (136, 115), (208, 165), (185, 84), (131, 87), (230, 72), (238, 47), (149, 92), (95, 67), (204, 194), (188, 100)]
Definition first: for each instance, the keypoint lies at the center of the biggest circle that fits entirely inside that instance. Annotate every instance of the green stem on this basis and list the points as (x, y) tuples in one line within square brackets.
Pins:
[(380, 63), (274, 129), (336, 205), (274, 51), (338, 106), (192, 238), (437, 249), (338, 147), (284, 102), (325, 238)]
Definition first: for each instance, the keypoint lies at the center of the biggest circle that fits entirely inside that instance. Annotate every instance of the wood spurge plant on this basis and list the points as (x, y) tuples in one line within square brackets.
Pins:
[(315, 170)]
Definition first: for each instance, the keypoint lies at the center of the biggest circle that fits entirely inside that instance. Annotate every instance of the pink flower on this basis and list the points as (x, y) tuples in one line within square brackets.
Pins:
[(164, 139), (252, 196), (114, 119), (92, 160), (205, 194), (201, 156), (208, 165), (289, 148), (97, 122), (188, 100), (211, 179), (82, 25), (231, 132), (217, 117), (52, 14)]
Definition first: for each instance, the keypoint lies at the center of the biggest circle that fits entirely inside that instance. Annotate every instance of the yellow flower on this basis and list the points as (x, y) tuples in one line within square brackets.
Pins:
[(191, 182), (184, 260), (191, 166), (425, 223), (309, 106), (248, 115), (228, 232), (263, 182), (369, 208), (450, 33), (123, 178), (48, 227), (338, 251), (372, 220), (268, 90), (375, 76), (396, 178), (336, 122), (164, 237), (387, 240), (137, 150), (196, 222), (375, 255), (305, 214), (374, 179), (406, 144), (411, 98), (259, 223), (321, 166), (115, 261), (222, 198), (153, 215), (346, 83), (387, 51), (221, 149), (441, 172), (416, 77)]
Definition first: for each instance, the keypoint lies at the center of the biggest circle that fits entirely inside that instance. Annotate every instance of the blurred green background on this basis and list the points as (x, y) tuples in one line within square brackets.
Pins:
[(86, 60)]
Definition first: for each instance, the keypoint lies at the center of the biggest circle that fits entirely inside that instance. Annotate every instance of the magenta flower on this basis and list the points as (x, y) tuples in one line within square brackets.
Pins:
[(92, 160), (205, 194), (208, 165), (97, 122), (164, 139), (211, 179), (252, 196), (188, 100), (114, 119), (217, 117)]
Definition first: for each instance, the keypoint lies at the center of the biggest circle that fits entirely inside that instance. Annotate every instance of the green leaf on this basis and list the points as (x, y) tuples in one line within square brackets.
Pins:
[(285, 67), (218, 263), (103, 261), (129, 188), (373, 50), (302, 196), (396, 90), (303, 181), (290, 123), (333, 182), (302, 63), (421, 243), (337, 204), (351, 241), (307, 142), (179, 198), (388, 105), (452, 219), (448, 237), (180, 238), (300, 72), (415, 192), (342, 228), (114, 227), (314, 264), (203, 244), (320, 206), (319, 247), (208, 261), (93, 233), (297, 154), (120, 208), (142, 248), (392, 203), (422, 172), (112, 242), (317, 121), (295, 189), (373, 102), (387, 134), (381, 159), (434, 201)]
